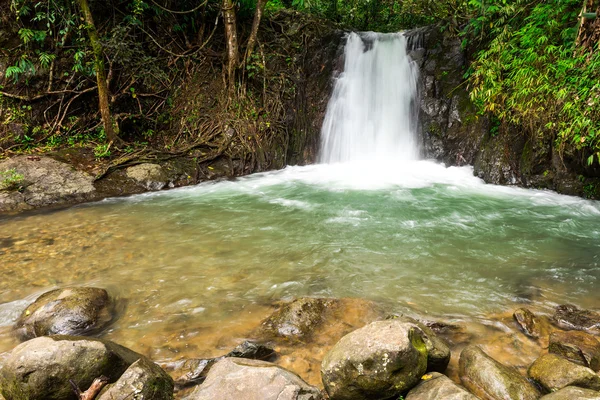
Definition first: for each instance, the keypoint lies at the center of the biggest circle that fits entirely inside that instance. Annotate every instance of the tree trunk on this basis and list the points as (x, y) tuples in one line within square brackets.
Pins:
[(110, 128), (260, 8), (232, 43)]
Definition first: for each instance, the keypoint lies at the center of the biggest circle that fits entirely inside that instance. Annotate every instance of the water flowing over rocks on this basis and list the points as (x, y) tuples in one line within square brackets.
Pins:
[(570, 317), (488, 379), (573, 393), (553, 372), (45, 182), (380, 360), (41, 369), (238, 378), (436, 386), (69, 311), (578, 347)]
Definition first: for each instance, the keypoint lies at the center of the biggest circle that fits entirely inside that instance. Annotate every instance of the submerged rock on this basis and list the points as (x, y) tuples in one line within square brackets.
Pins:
[(570, 317), (194, 371), (553, 372), (528, 322), (69, 311), (300, 319), (578, 347), (41, 368), (436, 386), (438, 350), (573, 393), (239, 378), (380, 360), (142, 380), (488, 379)]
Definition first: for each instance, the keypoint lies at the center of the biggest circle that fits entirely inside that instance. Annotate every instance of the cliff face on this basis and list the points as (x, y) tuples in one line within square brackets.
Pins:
[(453, 132)]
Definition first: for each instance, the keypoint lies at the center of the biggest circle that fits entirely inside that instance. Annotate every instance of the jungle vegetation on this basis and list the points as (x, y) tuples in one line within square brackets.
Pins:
[(534, 63)]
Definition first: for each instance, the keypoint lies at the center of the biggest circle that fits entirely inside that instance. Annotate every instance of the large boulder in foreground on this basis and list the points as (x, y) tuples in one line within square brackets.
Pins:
[(578, 347), (239, 378), (69, 311), (41, 368), (436, 386), (488, 379), (573, 393), (568, 316), (45, 182), (553, 372), (380, 360)]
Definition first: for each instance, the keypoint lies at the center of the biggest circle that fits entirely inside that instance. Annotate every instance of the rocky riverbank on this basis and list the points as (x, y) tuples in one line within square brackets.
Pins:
[(374, 355)]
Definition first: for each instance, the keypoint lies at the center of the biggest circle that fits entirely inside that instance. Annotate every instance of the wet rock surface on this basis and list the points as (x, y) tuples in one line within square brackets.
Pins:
[(573, 393), (488, 379), (578, 347), (571, 317), (528, 323), (149, 176), (300, 319), (553, 372), (194, 371), (436, 386), (41, 368), (69, 311), (142, 380), (438, 350), (45, 182), (238, 378), (380, 360)]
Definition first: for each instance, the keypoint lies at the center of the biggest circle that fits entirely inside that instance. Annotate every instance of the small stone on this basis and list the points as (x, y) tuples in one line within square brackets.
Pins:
[(528, 322)]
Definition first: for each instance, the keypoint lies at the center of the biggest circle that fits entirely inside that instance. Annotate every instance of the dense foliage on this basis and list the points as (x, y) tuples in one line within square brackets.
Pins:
[(531, 72)]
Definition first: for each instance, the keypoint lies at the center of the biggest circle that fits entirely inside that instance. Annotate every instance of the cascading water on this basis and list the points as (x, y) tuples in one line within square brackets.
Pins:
[(369, 114)]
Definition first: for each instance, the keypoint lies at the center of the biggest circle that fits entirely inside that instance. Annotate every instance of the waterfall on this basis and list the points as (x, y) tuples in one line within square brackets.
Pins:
[(369, 116)]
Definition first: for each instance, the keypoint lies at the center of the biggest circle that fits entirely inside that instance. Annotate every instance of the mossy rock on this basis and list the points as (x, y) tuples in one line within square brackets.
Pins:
[(578, 347), (41, 368), (553, 372), (488, 379), (436, 386), (143, 380), (573, 393), (380, 360)]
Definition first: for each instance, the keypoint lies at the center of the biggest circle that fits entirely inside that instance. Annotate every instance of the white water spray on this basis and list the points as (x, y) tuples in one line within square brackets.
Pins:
[(369, 114)]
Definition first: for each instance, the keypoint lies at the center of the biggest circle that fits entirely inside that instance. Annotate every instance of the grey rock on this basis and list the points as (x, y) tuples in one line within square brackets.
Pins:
[(143, 380), (45, 182), (488, 379), (239, 378), (573, 393), (578, 347), (380, 360), (436, 386), (69, 311), (41, 368), (150, 176), (553, 372)]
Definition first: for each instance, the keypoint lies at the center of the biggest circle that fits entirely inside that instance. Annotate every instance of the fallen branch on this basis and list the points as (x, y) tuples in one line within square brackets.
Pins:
[(93, 390)]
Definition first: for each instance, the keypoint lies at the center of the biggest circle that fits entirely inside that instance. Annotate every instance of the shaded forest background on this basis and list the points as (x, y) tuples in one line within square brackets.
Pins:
[(141, 79)]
